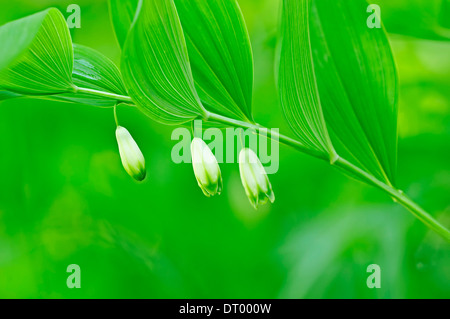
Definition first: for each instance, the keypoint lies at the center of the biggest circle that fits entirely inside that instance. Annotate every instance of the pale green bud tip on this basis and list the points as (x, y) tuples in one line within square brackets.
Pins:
[(132, 159), (254, 178), (206, 169)]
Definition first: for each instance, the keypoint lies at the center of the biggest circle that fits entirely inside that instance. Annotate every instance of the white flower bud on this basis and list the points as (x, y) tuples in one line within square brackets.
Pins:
[(206, 169), (132, 159), (254, 178)]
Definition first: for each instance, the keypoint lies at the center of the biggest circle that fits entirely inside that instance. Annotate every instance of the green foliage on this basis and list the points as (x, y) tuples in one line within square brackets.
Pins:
[(36, 55), (220, 55), (329, 63), (219, 51), (93, 70), (65, 196), (122, 15), (296, 79), (357, 84), (155, 65)]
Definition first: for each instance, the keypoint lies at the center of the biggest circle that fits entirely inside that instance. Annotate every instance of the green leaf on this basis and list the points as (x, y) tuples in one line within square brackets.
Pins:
[(296, 80), (91, 70), (219, 51), (95, 71), (155, 65), (36, 55), (357, 82), (220, 55), (122, 15)]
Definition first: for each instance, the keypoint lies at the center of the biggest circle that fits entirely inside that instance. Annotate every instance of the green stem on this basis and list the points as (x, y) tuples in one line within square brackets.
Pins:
[(340, 163), (112, 96), (397, 195), (264, 131), (115, 116), (348, 167)]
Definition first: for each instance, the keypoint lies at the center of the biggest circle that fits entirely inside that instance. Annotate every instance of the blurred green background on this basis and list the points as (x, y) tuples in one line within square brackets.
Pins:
[(65, 198)]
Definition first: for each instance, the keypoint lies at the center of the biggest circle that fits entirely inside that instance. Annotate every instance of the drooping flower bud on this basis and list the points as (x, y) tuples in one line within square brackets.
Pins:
[(206, 169), (254, 178), (132, 159)]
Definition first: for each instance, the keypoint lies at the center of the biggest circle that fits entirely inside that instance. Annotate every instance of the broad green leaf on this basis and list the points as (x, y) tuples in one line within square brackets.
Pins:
[(297, 82), (91, 70), (357, 82), (122, 15), (219, 51), (220, 54), (36, 54), (155, 65), (95, 71)]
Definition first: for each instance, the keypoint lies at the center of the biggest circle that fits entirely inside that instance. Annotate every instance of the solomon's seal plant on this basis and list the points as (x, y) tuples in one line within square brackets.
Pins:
[(192, 60)]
